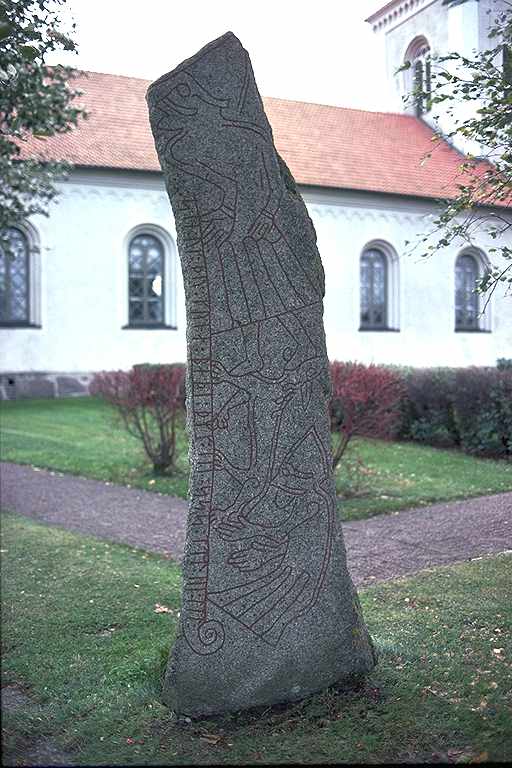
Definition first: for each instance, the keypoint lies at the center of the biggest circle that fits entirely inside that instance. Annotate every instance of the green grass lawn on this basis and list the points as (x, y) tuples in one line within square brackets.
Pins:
[(81, 636), (81, 436), (399, 475)]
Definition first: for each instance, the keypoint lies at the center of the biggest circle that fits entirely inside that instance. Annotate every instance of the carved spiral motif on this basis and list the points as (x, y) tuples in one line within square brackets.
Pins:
[(205, 638), (211, 635)]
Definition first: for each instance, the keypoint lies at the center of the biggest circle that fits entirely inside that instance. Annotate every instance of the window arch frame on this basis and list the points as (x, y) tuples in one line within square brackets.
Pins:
[(169, 252), (418, 53), (483, 320), (392, 287), (33, 279)]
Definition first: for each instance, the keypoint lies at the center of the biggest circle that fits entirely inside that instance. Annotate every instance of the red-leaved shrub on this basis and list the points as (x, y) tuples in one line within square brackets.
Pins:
[(148, 398), (366, 401)]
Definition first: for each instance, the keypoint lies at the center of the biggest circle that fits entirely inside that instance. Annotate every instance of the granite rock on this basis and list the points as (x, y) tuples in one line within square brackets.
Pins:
[(269, 612)]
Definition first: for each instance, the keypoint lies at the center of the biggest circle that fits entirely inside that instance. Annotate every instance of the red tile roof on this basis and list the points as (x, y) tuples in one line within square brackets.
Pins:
[(324, 146)]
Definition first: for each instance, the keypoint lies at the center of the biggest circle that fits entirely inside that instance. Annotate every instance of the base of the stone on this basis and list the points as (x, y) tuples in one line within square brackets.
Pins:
[(198, 701), (344, 686)]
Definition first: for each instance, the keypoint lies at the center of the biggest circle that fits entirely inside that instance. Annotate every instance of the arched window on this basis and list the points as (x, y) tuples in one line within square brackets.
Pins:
[(419, 78), (466, 300), (146, 281), (374, 289), (14, 278)]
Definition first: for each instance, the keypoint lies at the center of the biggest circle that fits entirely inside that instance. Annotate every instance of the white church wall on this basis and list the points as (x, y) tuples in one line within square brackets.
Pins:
[(399, 26), (84, 283), (488, 11), (468, 26), (458, 26), (424, 289)]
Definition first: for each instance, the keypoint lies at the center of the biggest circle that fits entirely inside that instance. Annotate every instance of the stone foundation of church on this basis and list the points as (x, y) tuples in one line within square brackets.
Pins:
[(31, 384)]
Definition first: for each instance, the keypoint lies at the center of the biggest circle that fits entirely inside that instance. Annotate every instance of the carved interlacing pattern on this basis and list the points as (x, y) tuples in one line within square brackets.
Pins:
[(254, 284)]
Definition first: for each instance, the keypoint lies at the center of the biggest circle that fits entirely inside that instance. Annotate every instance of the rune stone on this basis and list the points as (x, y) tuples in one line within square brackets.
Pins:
[(269, 612)]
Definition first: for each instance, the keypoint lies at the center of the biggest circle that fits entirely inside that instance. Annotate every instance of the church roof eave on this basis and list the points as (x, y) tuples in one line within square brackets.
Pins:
[(324, 146)]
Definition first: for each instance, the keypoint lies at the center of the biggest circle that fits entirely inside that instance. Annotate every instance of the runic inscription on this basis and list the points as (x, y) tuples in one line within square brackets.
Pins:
[(269, 612)]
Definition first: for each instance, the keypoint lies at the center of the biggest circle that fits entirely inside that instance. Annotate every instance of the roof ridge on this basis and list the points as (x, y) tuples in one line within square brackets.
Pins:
[(335, 106), (324, 145), (271, 98), (111, 74)]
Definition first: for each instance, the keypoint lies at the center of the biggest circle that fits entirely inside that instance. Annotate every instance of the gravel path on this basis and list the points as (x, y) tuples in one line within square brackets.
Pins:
[(380, 548)]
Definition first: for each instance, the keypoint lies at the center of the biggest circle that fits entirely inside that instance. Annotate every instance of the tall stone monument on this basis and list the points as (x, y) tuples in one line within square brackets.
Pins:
[(269, 611)]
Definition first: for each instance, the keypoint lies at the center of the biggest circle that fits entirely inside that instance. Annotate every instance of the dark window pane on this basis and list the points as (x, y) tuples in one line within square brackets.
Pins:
[(136, 259), (420, 77), (147, 282), (136, 287), (154, 311), (154, 260), (466, 300), (418, 86), (136, 311), (373, 288), (146, 265), (428, 83), (14, 278)]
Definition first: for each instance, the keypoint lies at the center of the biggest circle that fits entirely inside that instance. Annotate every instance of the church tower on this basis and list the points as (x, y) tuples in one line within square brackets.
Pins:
[(416, 30)]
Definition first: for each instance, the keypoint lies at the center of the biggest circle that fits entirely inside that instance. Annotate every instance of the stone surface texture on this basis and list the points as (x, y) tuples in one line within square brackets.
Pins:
[(269, 611)]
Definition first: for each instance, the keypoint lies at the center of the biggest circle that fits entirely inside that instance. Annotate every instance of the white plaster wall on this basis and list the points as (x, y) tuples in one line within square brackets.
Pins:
[(84, 303), (466, 34), (462, 27), (426, 20), (345, 223), (488, 10), (83, 286)]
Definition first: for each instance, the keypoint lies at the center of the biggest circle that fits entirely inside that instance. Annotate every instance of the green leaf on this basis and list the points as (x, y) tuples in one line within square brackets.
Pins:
[(29, 52), (5, 30)]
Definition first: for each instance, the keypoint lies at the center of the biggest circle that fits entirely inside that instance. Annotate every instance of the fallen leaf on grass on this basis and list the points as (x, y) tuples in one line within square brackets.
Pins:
[(211, 738), (161, 608), (483, 757), (429, 689)]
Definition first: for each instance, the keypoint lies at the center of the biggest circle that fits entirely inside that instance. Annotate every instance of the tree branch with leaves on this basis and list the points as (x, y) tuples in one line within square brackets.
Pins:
[(482, 84), (36, 100)]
